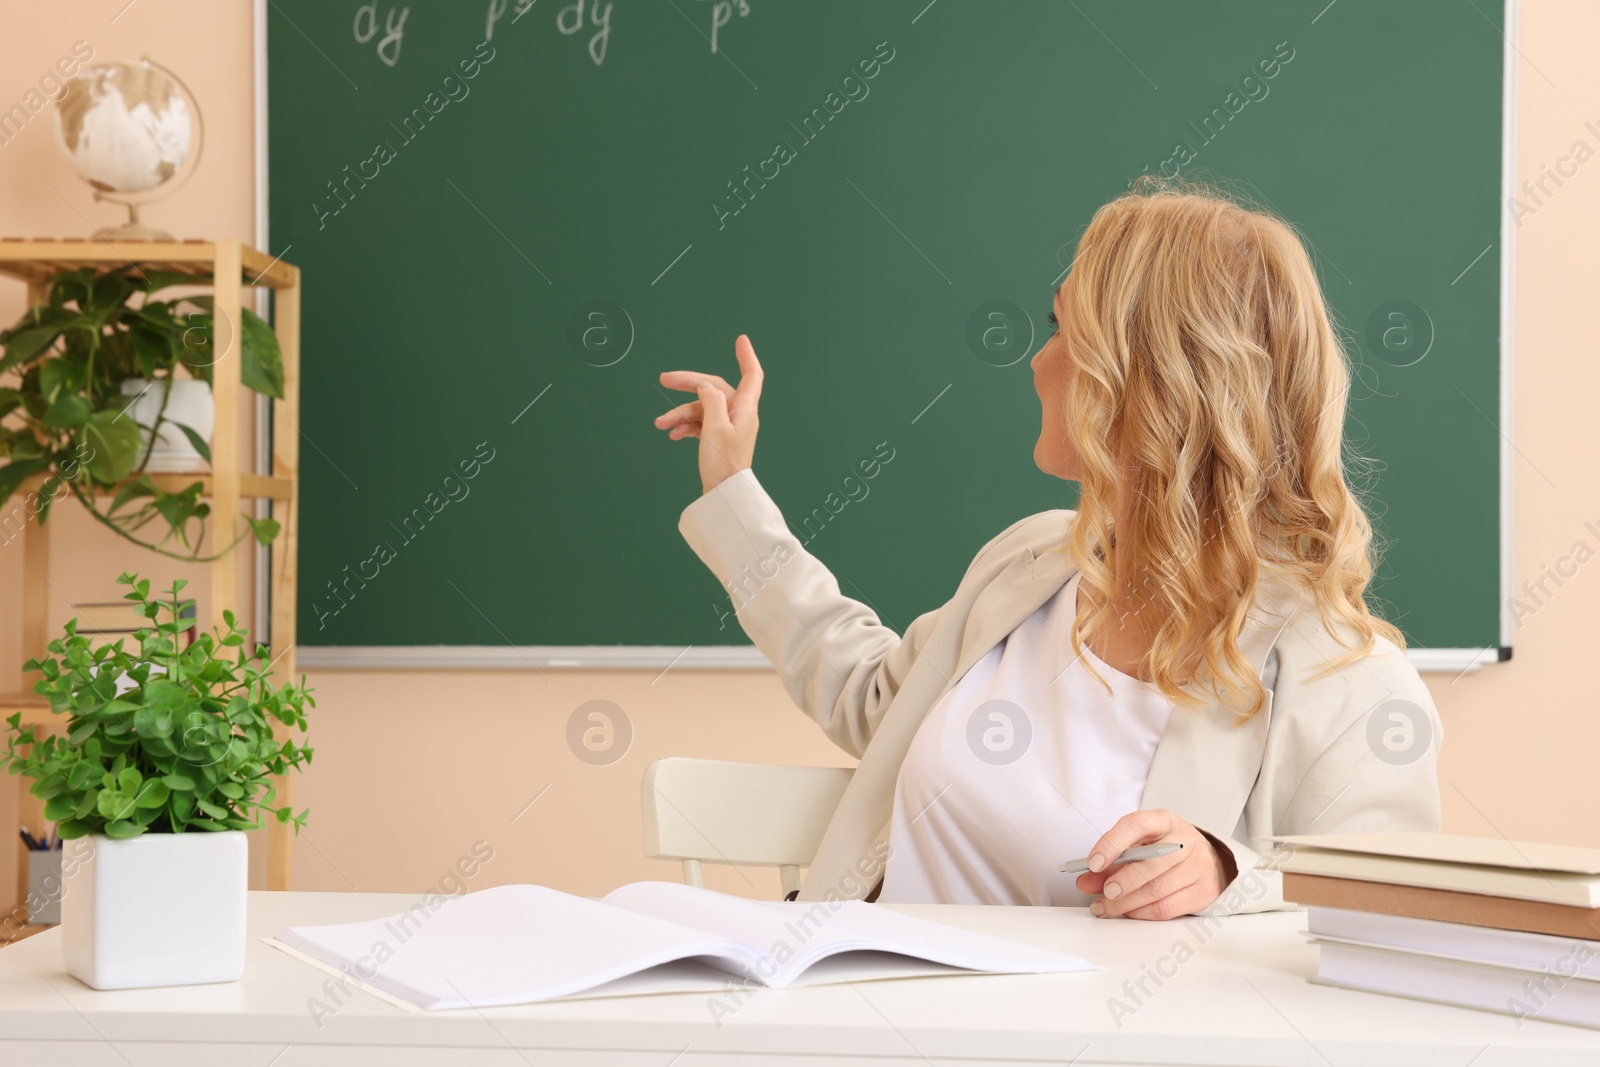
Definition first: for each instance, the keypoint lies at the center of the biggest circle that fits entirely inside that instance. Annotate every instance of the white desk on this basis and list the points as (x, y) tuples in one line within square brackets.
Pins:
[(1241, 999)]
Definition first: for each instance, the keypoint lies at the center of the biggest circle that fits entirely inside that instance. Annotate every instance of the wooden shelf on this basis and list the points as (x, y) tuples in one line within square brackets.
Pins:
[(226, 266), (37, 259), (255, 486), (35, 708)]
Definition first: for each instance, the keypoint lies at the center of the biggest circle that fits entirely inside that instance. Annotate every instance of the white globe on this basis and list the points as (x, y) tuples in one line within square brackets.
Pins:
[(125, 126)]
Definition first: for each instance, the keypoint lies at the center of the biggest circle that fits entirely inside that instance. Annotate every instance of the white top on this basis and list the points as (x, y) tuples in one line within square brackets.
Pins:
[(1019, 767)]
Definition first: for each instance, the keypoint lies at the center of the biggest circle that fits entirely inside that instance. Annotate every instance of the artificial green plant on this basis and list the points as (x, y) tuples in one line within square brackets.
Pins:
[(164, 739)]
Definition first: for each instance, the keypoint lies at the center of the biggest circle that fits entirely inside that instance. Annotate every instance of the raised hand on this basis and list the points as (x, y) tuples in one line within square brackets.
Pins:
[(723, 418)]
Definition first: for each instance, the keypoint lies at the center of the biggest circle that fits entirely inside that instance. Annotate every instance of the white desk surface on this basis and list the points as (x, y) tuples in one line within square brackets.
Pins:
[(1241, 998)]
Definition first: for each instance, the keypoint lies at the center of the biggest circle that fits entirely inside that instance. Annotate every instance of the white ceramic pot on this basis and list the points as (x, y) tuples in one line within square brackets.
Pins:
[(191, 404), (154, 910)]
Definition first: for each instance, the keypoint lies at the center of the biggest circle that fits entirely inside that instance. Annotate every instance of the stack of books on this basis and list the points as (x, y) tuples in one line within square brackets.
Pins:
[(1504, 926)]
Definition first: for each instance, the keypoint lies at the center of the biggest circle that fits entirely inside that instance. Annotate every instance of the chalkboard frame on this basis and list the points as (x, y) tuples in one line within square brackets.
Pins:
[(661, 658)]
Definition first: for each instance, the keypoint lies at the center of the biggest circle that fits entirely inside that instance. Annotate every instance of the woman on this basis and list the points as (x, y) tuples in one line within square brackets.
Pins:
[(1186, 658)]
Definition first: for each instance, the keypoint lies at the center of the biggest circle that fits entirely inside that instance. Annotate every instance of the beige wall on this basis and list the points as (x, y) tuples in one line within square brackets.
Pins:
[(1520, 738), (412, 768), (41, 196)]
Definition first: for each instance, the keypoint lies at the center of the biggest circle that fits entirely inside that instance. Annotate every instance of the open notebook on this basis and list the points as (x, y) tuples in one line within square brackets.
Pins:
[(518, 944)]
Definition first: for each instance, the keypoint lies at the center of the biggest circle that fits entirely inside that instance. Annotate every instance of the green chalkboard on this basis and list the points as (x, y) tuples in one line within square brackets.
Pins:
[(504, 242)]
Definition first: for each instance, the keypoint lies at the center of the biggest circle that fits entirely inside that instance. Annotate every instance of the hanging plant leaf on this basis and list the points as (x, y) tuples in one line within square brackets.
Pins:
[(197, 442), (114, 440), (26, 344), (72, 287), (67, 413), (195, 347), (138, 487), (181, 508), (262, 368), (152, 348), (57, 376), (265, 530), (12, 475), (109, 292)]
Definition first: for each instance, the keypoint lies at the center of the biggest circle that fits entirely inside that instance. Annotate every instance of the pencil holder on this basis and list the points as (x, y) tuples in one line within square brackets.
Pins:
[(44, 887)]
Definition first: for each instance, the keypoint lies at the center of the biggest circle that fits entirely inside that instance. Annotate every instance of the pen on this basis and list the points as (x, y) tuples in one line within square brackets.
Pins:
[(1133, 855), (27, 839)]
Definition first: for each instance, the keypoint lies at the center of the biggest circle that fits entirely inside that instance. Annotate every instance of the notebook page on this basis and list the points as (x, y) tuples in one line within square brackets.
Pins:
[(790, 936), (864, 965), (514, 944), (754, 923)]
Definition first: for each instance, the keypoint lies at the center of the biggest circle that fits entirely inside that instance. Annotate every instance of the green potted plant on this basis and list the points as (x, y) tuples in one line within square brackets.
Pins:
[(100, 400), (168, 758)]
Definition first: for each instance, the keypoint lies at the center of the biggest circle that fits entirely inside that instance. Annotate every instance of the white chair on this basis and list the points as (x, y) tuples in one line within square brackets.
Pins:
[(749, 814)]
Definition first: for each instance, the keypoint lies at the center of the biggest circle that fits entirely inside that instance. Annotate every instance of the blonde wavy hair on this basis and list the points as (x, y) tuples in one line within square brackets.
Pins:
[(1209, 393)]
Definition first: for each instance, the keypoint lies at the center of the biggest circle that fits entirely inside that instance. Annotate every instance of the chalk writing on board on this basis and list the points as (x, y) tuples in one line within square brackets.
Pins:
[(570, 20), (394, 27), (497, 10), (722, 13)]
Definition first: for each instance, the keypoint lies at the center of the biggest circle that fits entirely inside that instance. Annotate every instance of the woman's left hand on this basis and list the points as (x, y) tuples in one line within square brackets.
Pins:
[(1179, 883)]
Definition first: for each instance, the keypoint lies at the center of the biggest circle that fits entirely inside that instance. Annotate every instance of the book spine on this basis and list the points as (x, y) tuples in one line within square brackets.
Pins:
[(1443, 905)]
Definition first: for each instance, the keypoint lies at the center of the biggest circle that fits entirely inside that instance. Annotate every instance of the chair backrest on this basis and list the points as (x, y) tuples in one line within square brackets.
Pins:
[(749, 814)]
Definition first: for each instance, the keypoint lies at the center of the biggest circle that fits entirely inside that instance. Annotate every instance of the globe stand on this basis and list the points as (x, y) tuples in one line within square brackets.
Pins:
[(133, 229)]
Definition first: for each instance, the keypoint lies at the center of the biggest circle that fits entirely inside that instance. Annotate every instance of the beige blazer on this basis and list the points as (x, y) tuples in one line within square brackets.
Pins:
[(1350, 751)]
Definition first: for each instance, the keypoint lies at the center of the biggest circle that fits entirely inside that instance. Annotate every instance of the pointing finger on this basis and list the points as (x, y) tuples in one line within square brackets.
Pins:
[(750, 374), (689, 381)]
